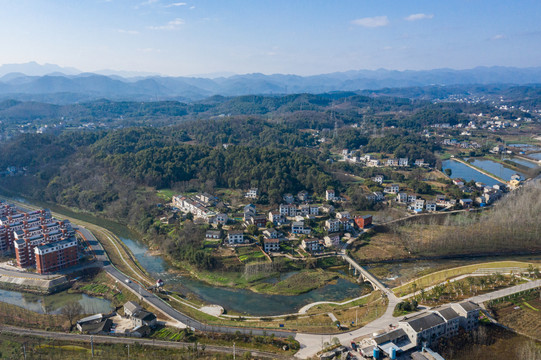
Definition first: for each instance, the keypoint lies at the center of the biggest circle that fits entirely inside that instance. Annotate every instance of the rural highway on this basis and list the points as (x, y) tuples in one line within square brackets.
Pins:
[(104, 339), (163, 306)]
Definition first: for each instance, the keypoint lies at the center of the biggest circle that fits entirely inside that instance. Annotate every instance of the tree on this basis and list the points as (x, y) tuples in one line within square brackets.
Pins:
[(71, 311), (448, 172)]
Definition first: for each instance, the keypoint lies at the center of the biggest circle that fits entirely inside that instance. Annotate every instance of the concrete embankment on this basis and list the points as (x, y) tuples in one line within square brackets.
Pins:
[(34, 285)]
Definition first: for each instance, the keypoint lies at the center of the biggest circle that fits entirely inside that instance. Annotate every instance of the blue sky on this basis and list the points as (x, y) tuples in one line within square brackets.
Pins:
[(183, 37)]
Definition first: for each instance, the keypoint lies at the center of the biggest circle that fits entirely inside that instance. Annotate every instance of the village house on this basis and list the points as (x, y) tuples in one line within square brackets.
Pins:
[(270, 233), (252, 193), (258, 220), (378, 179), (402, 197), (392, 189), (458, 182), (303, 196), (326, 209), (332, 240), (311, 245), (343, 215), (271, 245), (411, 198), (392, 162), (330, 195), (235, 237), (288, 210), (403, 162), (276, 217), (373, 163), (466, 203), (221, 219), (249, 211), (332, 225), (430, 206), (297, 227), (419, 205), (364, 221), (213, 234), (288, 198)]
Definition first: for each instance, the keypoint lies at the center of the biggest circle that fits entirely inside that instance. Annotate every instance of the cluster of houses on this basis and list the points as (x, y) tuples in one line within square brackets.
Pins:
[(142, 322), (370, 161), (422, 329), (488, 195), (461, 144), (291, 218)]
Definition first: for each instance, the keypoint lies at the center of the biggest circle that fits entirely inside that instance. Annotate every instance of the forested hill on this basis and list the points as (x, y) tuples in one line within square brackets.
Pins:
[(110, 172), (299, 111)]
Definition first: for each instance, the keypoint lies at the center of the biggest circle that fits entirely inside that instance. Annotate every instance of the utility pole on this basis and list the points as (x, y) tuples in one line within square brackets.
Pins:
[(356, 317), (92, 344), (24, 351), (233, 350)]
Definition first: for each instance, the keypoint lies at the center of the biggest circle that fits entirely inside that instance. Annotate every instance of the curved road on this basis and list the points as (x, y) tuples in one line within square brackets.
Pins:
[(161, 305)]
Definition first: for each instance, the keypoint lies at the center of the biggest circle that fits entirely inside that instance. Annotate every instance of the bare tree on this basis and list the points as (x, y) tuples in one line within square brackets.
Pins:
[(71, 311)]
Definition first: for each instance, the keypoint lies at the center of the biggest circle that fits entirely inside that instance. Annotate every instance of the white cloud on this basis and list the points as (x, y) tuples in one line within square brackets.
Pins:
[(415, 17), (177, 4), (171, 25), (372, 22), (129, 32), (498, 37)]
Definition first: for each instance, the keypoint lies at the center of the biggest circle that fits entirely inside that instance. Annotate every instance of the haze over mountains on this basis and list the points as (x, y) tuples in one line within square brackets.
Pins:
[(55, 84)]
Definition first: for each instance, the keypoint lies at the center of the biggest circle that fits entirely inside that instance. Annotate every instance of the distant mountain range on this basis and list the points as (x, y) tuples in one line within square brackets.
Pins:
[(55, 84)]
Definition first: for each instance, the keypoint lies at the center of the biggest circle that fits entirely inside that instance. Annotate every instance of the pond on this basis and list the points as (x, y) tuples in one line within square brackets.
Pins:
[(495, 168), (459, 170), (240, 300), (536, 156), (54, 303), (529, 164)]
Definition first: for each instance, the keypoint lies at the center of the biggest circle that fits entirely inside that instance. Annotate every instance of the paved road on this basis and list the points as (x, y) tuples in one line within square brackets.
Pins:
[(103, 339), (163, 306)]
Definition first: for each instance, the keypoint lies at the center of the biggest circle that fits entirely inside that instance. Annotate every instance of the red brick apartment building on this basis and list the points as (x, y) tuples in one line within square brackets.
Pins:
[(55, 256)]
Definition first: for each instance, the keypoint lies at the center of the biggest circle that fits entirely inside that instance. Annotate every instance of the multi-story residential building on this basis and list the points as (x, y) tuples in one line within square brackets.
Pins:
[(56, 255), (249, 211), (469, 314), (213, 234), (402, 197), (221, 219), (363, 221), (194, 206), (270, 245), (419, 204), (252, 193), (235, 237), (430, 206), (297, 227), (403, 162), (392, 162), (343, 215), (442, 321), (392, 189), (425, 327), (378, 179), (332, 225), (288, 210), (330, 195), (270, 233), (258, 220), (312, 245), (276, 217), (412, 198)]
